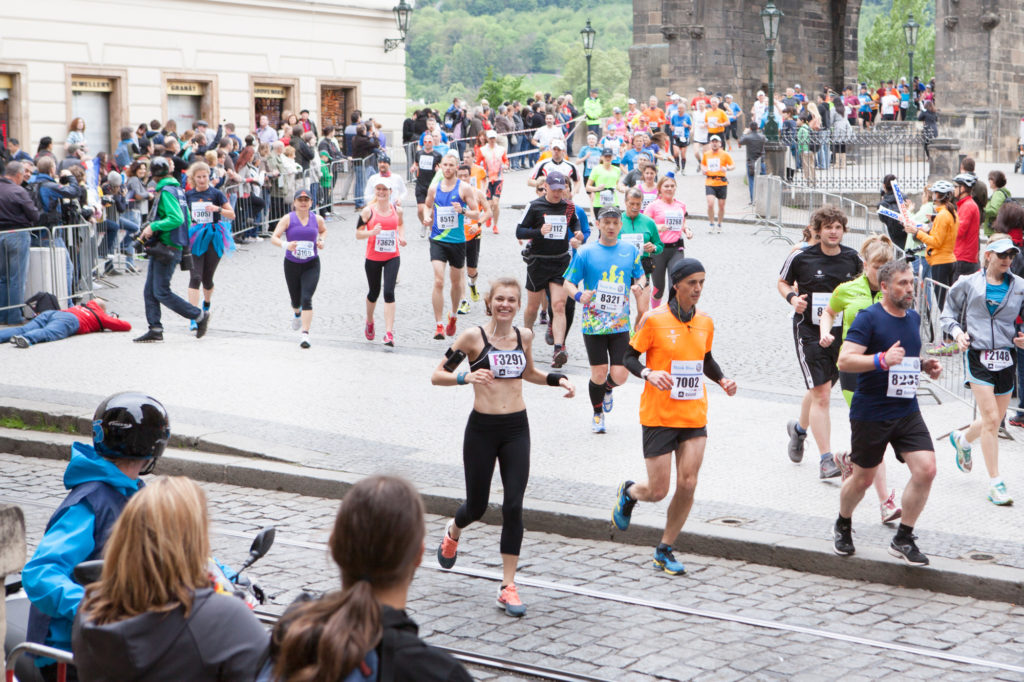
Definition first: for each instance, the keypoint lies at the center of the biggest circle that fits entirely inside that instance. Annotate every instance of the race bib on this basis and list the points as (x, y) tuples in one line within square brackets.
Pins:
[(634, 238), (679, 132), (559, 226), (303, 250), (507, 364), (607, 197), (687, 380), (447, 218), (995, 360), (592, 161), (610, 297), (202, 212), (714, 164), (426, 163), (904, 379), (674, 221), (648, 199), (819, 301), (386, 241)]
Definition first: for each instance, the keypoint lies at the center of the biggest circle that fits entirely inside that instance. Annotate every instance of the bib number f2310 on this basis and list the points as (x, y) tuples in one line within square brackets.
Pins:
[(687, 379), (904, 379)]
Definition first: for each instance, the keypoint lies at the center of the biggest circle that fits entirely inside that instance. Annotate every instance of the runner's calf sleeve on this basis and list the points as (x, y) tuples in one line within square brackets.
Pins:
[(596, 395), (609, 384)]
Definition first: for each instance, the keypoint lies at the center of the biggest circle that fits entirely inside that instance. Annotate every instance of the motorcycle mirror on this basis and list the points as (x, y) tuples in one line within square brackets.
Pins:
[(88, 572), (262, 543)]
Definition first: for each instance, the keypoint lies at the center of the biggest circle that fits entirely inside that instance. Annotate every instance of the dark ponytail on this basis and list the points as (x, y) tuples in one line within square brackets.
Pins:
[(377, 542)]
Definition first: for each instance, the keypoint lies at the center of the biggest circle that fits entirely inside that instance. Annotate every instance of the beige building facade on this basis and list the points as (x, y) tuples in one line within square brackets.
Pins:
[(121, 63)]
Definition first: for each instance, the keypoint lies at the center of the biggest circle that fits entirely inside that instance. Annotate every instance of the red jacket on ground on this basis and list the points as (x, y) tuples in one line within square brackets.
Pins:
[(92, 318), (968, 223)]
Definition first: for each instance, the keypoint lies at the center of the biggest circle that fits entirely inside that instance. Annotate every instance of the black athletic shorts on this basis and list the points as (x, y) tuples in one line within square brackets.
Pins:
[(1000, 380), (606, 349), (542, 271), (717, 192), (421, 194), (494, 189), (817, 364), (661, 440), (869, 438), (473, 252), (448, 252), (680, 143)]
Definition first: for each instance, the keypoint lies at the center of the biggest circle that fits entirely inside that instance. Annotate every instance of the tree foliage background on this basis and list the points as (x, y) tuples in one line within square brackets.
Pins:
[(883, 48)]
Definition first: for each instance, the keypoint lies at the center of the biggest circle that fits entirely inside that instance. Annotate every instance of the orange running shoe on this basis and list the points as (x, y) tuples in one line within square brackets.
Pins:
[(448, 550), (508, 599), (450, 329), (439, 332)]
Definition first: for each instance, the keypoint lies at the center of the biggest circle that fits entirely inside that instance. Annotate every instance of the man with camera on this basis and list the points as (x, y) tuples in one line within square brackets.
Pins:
[(114, 197), (49, 194), (165, 240)]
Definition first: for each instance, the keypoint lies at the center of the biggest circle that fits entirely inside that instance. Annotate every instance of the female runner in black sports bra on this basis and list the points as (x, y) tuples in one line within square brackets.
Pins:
[(500, 358)]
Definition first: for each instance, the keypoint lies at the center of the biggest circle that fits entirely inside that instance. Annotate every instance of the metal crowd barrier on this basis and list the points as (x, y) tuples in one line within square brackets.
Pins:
[(779, 204), (63, 658), (927, 301), (868, 157)]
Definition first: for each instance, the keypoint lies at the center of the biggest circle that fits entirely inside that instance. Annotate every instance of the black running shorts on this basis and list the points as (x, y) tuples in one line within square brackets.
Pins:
[(717, 192), (817, 364), (606, 349), (662, 440), (494, 189), (1000, 380), (454, 254), (473, 252), (421, 194), (543, 271), (869, 438)]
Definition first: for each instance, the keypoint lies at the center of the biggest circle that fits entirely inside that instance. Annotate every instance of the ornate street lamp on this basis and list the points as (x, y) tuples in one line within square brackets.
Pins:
[(402, 12), (770, 18), (910, 34), (588, 34)]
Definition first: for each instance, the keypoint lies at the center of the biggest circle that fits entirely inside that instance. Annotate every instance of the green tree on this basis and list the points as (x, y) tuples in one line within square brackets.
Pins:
[(504, 89), (609, 73), (885, 48)]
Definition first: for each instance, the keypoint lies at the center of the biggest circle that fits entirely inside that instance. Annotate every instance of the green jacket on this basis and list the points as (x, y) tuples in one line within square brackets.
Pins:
[(803, 139), (643, 224), (995, 202), (169, 215), (849, 298), (593, 109)]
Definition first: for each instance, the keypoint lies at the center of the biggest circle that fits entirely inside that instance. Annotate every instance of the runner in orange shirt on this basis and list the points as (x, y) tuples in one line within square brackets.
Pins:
[(714, 164), (716, 118), (492, 159), (676, 340), (655, 115)]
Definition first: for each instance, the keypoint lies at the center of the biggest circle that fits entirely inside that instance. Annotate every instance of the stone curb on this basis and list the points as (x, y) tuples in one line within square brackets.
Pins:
[(234, 465)]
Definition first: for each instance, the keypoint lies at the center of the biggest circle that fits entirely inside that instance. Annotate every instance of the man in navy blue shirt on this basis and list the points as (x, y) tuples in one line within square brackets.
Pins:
[(883, 347)]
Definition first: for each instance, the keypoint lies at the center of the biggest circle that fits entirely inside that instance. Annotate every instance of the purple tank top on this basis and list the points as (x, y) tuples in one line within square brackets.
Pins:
[(305, 235)]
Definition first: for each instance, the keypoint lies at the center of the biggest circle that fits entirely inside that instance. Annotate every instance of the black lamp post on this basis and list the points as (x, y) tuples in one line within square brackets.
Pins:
[(770, 17), (402, 12), (910, 34), (588, 34)]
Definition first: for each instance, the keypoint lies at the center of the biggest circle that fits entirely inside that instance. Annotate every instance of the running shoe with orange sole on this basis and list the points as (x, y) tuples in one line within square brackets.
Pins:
[(508, 599)]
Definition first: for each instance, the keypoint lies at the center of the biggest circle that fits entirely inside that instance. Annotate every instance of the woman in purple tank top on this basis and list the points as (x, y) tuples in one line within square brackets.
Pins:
[(301, 235)]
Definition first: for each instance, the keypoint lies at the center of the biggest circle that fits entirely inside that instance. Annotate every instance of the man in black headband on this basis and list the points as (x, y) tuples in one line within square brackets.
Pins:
[(676, 340)]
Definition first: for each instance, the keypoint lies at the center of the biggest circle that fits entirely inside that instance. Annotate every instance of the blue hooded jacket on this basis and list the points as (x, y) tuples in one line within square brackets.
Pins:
[(76, 532)]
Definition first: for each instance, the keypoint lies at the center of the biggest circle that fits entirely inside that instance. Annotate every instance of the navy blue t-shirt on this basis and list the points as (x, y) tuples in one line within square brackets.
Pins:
[(199, 204), (877, 330)]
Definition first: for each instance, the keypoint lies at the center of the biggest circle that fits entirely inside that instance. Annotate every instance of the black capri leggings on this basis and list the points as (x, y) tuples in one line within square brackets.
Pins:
[(382, 269), (661, 262), (203, 268), (302, 279), (505, 438)]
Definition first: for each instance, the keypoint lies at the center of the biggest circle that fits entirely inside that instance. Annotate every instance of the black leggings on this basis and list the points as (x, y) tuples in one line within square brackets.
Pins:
[(661, 262), (375, 269), (203, 268), (943, 274), (302, 279), (505, 438)]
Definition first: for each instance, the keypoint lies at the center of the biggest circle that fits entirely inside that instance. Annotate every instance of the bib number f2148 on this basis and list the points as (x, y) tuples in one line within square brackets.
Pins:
[(995, 360)]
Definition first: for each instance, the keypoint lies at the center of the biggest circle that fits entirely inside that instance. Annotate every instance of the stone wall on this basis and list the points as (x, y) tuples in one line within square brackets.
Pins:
[(682, 44)]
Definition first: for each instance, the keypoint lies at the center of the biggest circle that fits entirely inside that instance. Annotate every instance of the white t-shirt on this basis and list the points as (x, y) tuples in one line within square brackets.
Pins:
[(889, 103), (545, 136)]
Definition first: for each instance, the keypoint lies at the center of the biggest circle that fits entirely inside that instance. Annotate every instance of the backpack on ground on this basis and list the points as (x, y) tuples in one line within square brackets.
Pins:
[(41, 302)]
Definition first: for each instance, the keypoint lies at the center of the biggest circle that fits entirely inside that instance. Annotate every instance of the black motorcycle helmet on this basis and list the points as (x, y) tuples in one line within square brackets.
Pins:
[(131, 426), (160, 167)]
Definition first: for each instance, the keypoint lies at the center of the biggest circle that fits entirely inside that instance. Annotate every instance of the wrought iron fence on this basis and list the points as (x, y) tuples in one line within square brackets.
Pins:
[(779, 204), (856, 161)]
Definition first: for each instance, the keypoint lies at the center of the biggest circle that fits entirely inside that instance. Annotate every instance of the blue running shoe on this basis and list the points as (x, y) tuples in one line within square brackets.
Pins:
[(597, 426), (192, 325), (666, 561), (608, 402), (963, 454), (623, 510)]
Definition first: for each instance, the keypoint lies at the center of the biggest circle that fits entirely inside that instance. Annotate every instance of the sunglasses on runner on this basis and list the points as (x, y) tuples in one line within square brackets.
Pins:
[(1007, 254)]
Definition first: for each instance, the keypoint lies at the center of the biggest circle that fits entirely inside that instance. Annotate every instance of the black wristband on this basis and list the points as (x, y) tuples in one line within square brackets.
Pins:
[(554, 377), (789, 296)]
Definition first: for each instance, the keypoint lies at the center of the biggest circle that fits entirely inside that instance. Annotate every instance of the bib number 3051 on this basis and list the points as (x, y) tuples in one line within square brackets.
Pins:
[(687, 379), (904, 379)]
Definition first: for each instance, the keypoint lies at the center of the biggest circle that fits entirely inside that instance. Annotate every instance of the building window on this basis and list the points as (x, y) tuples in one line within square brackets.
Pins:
[(91, 99), (336, 104), (189, 101), (271, 101), (6, 108)]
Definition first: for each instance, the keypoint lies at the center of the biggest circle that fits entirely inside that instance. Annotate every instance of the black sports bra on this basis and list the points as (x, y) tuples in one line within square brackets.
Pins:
[(504, 364)]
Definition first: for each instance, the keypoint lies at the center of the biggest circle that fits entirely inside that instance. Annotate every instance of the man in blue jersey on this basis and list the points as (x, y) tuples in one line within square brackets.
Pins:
[(601, 277), (883, 347), (448, 204)]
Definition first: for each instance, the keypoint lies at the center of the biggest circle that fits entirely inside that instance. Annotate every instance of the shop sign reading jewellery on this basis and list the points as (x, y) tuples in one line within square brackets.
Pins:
[(82, 84), (269, 91)]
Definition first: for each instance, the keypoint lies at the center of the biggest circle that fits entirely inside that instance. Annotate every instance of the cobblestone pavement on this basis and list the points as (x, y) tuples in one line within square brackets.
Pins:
[(604, 638), (358, 408)]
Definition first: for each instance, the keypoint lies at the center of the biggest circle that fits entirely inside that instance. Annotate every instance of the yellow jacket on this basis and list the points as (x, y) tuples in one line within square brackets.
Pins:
[(941, 239)]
